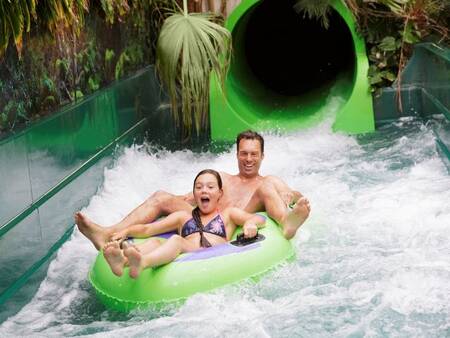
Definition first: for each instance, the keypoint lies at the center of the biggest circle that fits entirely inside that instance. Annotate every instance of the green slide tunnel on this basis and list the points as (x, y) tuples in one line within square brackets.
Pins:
[(284, 69)]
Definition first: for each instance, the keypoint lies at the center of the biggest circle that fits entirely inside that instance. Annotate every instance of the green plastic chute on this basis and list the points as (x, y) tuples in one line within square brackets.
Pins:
[(286, 67)]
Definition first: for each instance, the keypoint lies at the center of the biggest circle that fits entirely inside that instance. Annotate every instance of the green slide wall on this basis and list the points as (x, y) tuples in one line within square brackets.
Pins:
[(284, 68)]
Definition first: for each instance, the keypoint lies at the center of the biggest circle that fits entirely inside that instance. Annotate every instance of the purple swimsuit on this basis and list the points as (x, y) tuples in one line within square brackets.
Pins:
[(215, 226)]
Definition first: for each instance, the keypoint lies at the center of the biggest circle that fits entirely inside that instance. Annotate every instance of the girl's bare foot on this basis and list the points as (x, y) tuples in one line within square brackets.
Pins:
[(296, 217), (115, 258), (98, 235), (134, 259)]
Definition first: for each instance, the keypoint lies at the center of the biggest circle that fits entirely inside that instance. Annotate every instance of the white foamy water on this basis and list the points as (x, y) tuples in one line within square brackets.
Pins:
[(373, 260)]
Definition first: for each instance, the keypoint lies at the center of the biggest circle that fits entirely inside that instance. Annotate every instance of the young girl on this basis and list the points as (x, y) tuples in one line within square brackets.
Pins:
[(193, 234)]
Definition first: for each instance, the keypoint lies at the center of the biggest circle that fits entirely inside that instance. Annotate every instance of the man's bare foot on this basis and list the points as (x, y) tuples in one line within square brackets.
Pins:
[(296, 217), (134, 259), (98, 235), (115, 258)]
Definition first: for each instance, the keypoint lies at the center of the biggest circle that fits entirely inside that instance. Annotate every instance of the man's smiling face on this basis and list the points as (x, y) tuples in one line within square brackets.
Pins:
[(249, 157)]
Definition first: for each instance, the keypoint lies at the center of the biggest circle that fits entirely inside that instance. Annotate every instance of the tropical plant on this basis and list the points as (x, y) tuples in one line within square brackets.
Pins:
[(318, 9), (415, 20), (15, 19), (190, 46), (390, 28), (72, 50), (76, 65), (114, 9), (56, 15)]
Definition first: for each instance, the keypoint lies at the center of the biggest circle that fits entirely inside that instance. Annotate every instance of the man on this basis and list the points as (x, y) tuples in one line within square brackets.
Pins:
[(247, 190)]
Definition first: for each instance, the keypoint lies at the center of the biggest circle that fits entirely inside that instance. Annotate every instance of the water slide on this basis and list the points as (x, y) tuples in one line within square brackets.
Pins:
[(54, 167), (284, 68)]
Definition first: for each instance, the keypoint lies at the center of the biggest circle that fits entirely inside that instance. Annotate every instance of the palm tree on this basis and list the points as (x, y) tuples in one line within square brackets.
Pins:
[(191, 46)]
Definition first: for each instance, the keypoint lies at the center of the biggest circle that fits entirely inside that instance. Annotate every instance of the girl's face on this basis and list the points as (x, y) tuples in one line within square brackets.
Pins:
[(207, 193)]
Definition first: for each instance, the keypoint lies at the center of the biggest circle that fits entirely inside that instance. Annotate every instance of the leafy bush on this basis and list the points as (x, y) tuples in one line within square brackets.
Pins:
[(390, 28), (59, 51)]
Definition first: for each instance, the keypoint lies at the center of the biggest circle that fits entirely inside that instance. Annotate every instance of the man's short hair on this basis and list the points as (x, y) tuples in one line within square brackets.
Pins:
[(250, 135)]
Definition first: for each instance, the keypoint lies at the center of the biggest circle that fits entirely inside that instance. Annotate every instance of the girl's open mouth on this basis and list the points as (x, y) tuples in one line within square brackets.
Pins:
[(204, 201)]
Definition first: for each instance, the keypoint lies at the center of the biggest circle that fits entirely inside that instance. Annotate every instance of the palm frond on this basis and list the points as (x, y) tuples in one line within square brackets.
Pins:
[(15, 19), (189, 48), (318, 10), (396, 6)]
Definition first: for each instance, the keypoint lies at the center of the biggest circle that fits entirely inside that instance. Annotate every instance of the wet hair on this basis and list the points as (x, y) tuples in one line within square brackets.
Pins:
[(204, 243), (250, 135)]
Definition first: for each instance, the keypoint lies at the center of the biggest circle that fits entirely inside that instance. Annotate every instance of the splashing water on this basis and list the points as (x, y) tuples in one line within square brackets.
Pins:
[(373, 259)]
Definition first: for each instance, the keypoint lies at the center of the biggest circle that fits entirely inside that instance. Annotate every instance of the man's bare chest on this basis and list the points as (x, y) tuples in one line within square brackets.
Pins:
[(237, 190)]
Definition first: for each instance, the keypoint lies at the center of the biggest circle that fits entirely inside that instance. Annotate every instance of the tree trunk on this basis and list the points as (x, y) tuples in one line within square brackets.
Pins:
[(223, 8), (195, 6), (211, 6), (190, 6)]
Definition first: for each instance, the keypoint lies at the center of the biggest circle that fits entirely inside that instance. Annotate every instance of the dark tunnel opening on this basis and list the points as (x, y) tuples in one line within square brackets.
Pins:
[(290, 54), (288, 72)]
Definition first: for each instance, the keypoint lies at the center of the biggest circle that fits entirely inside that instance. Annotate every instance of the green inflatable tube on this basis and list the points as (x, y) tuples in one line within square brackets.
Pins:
[(284, 69), (190, 273)]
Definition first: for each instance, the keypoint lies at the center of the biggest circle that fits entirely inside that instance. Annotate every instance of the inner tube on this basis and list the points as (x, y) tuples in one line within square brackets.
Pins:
[(191, 273)]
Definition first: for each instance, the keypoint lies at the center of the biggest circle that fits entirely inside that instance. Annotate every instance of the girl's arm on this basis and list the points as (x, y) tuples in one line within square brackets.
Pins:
[(169, 223), (250, 222)]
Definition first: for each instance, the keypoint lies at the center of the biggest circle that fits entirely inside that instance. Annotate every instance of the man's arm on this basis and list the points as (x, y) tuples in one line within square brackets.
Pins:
[(189, 198)]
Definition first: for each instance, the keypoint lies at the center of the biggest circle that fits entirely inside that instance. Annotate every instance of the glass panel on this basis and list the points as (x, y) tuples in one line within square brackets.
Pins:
[(15, 193), (24, 294), (51, 152), (20, 248), (56, 215), (97, 119)]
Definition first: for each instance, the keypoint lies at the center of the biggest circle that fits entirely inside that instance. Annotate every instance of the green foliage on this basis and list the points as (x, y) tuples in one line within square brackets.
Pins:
[(189, 47), (383, 63), (109, 55), (390, 28), (88, 72), (129, 59), (318, 9), (70, 54), (15, 19), (78, 46), (14, 98), (77, 94), (113, 8), (54, 16)]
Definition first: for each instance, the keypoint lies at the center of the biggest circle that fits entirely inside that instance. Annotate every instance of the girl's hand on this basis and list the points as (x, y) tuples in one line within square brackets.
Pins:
[(250, 230)]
